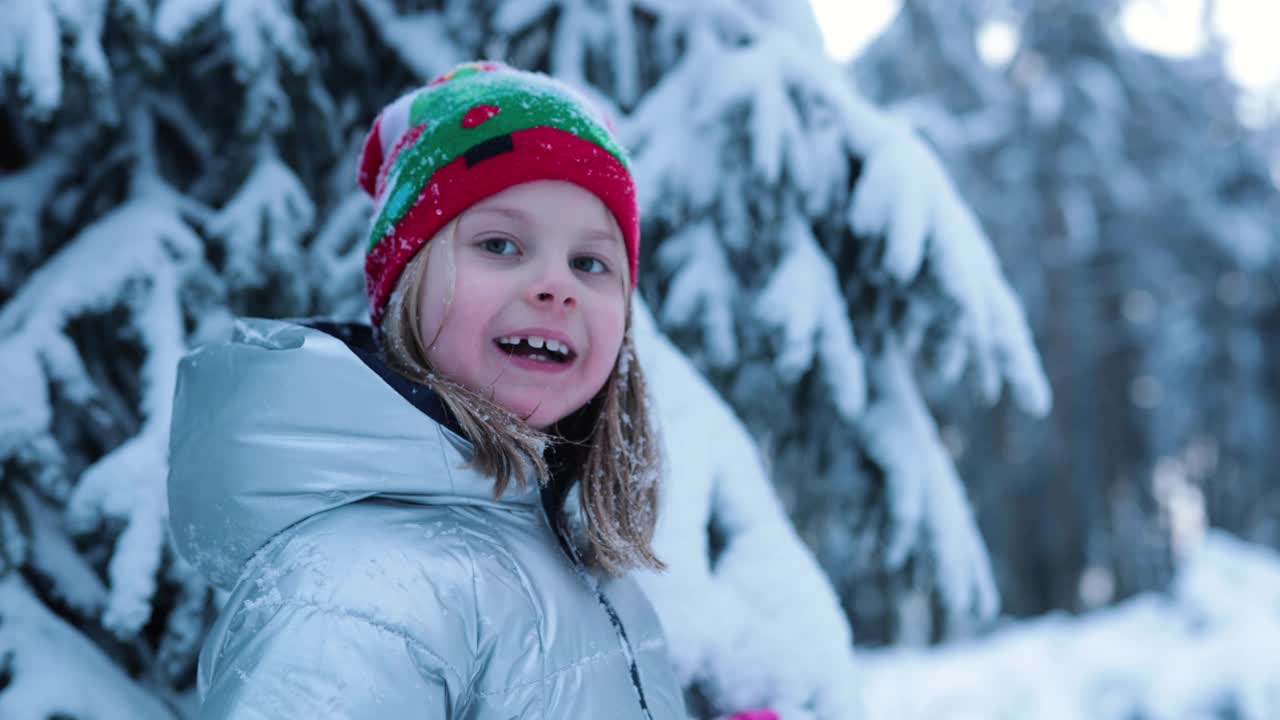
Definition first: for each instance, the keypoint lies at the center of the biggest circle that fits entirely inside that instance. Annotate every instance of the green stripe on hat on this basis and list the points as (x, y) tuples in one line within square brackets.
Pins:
[(522, 101)]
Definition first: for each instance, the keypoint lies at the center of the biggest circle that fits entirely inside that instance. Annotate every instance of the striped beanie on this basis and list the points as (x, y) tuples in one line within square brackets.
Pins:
[(473, 132)]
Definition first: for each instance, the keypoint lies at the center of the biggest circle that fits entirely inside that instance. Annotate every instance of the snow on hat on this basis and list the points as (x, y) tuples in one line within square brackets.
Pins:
[(471, 133)]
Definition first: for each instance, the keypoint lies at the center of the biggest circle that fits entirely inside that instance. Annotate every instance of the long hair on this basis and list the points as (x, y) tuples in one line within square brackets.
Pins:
[(608, 447)]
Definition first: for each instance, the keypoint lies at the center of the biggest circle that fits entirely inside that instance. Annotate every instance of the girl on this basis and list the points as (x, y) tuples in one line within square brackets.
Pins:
[(387, 504)]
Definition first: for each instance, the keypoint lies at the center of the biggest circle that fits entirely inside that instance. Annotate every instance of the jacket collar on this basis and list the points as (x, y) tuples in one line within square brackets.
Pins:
[(360, 340), (288, 420)]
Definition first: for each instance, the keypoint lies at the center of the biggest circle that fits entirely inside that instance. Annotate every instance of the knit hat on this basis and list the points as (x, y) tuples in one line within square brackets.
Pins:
[(471, 133)]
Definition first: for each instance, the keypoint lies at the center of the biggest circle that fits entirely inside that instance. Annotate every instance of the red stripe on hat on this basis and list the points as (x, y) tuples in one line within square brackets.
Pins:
[(371, 158), (405, 140), (539, 153)]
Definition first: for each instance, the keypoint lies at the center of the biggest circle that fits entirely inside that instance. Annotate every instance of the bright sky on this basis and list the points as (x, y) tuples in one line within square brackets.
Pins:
[(1172, 27), (848, 25), (1248, 27)]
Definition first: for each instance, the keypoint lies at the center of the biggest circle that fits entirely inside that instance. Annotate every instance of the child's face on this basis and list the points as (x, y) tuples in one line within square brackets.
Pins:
[(542, 260)]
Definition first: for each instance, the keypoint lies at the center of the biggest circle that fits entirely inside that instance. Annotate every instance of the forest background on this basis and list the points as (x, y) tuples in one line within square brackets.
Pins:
[(1003, 327)]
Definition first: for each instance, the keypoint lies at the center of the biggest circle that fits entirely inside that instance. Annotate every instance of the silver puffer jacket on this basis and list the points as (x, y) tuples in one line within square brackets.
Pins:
[(372, 574)]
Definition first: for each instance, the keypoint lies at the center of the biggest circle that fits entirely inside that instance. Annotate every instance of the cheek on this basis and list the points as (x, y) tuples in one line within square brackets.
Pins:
[(431, 321), (446, 332), (608, 331), (430, 299), (455, 333), (434, 306)]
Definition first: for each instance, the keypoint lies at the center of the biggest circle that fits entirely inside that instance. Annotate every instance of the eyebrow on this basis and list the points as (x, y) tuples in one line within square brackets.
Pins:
[(593, 234), (513, 213)]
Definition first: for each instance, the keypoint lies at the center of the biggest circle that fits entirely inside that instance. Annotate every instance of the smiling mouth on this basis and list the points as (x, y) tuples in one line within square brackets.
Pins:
[(536, 349)]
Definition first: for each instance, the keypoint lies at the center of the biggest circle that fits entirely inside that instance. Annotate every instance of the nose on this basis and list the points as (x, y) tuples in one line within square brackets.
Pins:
[(553, 288)]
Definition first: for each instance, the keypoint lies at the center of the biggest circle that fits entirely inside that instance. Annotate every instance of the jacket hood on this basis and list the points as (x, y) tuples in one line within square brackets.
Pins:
[(286, 421)]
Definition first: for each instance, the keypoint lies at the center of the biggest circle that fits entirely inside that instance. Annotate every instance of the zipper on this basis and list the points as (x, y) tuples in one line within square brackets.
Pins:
[(566, 544)]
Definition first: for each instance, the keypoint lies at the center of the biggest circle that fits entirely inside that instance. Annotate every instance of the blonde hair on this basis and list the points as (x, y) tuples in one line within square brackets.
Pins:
[(608, 446)]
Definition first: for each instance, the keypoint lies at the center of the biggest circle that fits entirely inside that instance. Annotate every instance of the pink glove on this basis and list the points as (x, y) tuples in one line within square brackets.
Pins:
[(761, 714)]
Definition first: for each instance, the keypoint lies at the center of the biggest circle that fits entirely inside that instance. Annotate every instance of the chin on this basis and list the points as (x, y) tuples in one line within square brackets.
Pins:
[(541, 420), (535, 415)]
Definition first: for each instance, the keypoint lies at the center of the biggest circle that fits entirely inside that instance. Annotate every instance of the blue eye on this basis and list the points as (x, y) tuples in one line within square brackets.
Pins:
[(589, 264), (499, 246)]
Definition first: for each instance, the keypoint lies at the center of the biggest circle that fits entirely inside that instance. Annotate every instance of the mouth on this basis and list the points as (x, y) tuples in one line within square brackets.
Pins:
[(541, 351)]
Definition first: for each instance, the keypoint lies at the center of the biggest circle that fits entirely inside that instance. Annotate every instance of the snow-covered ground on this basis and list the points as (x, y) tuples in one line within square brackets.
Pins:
[(1209, 648)]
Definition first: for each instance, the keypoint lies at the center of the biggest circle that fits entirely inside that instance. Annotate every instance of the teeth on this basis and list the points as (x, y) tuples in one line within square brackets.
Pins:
[(536, 343)]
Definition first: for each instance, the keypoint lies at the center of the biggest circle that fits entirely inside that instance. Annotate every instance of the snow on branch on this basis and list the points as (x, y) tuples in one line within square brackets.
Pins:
[(903, 194), (421, 40), (261, 36), (24, 196), (31, 47), (803, 300), (59, 672), (746, 99), (512, 18), (764, 591), (259, 31), (701, 286), (52, 556), (1001, 347), (336, 257), (262, 225), (927, 504), (135, 256), (583, 33)]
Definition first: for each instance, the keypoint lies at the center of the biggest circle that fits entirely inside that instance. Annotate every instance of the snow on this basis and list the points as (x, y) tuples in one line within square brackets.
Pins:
[(54, 558), (766, 627), (568, 45), (57, 672), (258, 30), (626, 72), (883, 202), (926, 496), (263, 223), (754, 182), (86, 18), (22, 194), (128, 483), (904, 193), (252, 24), (1207, 649), (701, 287), (420, 40), (803, 299), (29, 49), (337, 248), (764, 590), (511, 17), (262, 36), (902, 196), (24, 407), (174, 18)]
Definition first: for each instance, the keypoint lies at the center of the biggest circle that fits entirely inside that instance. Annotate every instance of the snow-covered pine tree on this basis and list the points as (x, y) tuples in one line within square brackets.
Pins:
[(813, 259), (1139, 219), (171, 164)]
